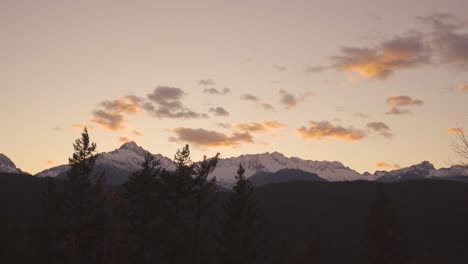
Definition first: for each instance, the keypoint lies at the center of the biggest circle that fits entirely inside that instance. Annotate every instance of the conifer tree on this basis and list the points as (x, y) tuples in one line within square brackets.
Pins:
[(175, 189), (142, 211), (241, 239), (84, 206), (203, 197), (385, 242)]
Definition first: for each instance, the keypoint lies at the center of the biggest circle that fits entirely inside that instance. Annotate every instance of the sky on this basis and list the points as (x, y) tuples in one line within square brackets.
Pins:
[(372, 84)]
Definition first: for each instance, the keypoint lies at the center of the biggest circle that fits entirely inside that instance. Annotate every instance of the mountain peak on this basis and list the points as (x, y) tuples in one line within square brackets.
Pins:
[(6, 165), (425, 165), (131, 145)]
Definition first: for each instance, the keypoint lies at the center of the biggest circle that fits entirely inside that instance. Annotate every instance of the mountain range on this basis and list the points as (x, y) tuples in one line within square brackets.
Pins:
[(262, 168)]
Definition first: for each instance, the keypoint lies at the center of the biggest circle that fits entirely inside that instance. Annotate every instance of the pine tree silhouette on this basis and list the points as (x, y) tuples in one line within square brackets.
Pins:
[(142, 212), (203, 197), (241, 239), (84, 210)]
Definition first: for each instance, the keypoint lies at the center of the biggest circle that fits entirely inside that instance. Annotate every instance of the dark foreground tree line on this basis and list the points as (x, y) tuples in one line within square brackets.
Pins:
[(174, 217)]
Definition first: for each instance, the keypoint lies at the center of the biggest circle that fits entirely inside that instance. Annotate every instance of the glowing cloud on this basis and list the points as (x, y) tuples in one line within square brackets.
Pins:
[(258, 127), (323, 129), (386, 165), (396, 102), (463, 88), (389, 56), (208, 138), (455, 131)]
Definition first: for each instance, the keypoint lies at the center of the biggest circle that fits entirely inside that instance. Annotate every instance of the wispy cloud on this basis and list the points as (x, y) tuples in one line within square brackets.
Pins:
[(444, 42), (169, 105), (218, 111), (206, 82), (315, 69), (208, 138), (249, 97), (216, 91), (109, 120), (124, 139), (267, 107), (384, 59), (324, 129), (463, 87), (258, 127), (455, 130), (280, 68), (289, 100), (397, 104), (448, 39), (380, 128), (362, 115), (137, 133), (386, 165), (112, 114)]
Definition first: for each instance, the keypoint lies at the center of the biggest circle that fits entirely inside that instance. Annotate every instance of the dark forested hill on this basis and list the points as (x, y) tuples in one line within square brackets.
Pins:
[(434, 213)]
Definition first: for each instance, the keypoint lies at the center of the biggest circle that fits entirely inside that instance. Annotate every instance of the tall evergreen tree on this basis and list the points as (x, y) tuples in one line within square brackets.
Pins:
[(241, 239), (175, 189), (84, 209), (385, 242), (142, 211), (203, 197)]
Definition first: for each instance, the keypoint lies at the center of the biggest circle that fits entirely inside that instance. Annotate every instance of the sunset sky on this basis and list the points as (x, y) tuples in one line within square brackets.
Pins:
[(372, 84)]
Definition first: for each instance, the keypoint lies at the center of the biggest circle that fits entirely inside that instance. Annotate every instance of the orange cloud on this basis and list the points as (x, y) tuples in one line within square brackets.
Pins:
[(455, 131), (395, 104), (124, 139), (463, 88), (258, 127), (207, 138), (386, 165), (387, 57), (128, 104), (321, 130)]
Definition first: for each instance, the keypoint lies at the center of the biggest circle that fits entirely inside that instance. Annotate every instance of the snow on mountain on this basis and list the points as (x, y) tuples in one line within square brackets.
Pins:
[(120, 163), (273, 162), (117, 165), (422, 170), (6, 165)]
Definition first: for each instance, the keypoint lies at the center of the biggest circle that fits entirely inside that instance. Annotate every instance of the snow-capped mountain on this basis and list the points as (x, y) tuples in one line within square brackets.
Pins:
[(6, 165), (273, 162), (117, 165), (422, 170)]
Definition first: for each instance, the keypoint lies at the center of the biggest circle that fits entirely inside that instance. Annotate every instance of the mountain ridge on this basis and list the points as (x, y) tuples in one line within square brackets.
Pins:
[(122, 162)]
